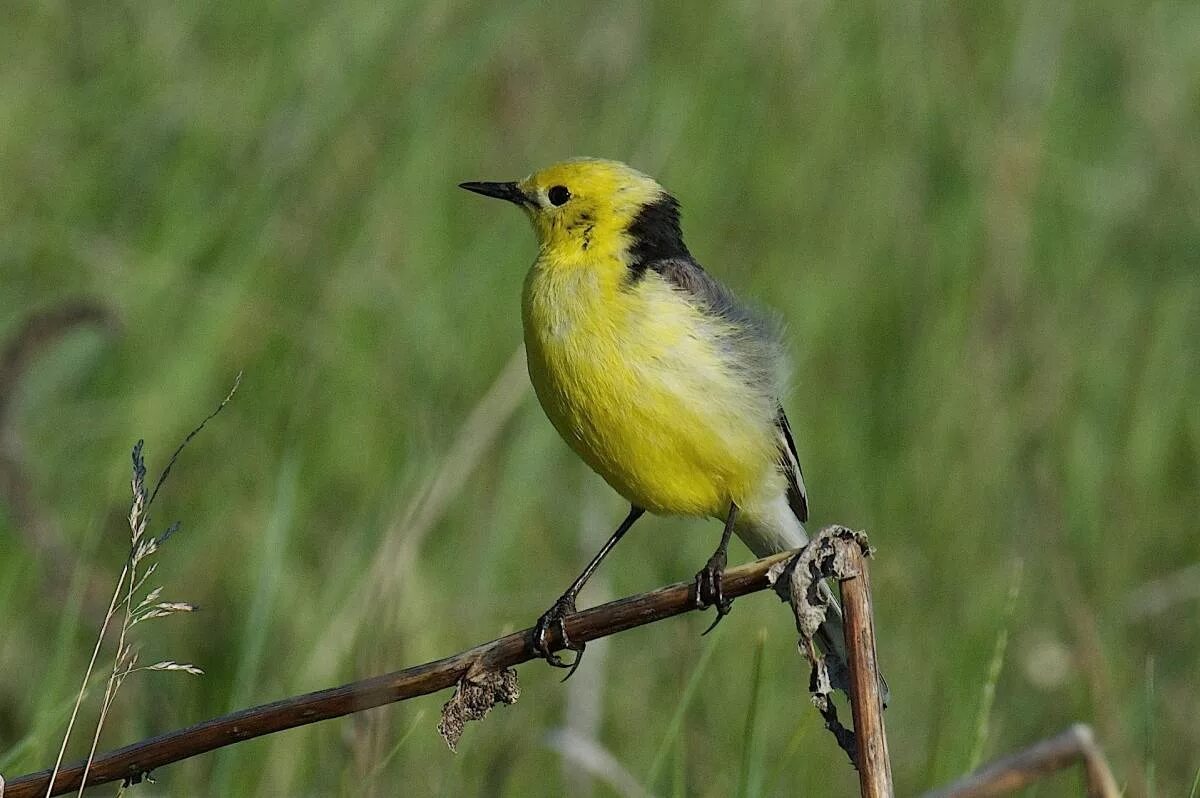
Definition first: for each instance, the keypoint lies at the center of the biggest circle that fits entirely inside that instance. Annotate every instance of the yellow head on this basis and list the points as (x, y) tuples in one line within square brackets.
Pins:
[(588, 207)]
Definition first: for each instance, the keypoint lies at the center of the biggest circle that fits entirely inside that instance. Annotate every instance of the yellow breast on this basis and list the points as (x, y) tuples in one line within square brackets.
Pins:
[(635, 379)]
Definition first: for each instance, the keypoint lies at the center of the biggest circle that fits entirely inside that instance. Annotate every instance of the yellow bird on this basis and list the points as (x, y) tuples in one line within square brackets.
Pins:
[(652, 372)]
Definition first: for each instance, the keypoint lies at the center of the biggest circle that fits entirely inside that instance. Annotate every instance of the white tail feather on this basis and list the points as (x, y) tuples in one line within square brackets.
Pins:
[(771, 528)]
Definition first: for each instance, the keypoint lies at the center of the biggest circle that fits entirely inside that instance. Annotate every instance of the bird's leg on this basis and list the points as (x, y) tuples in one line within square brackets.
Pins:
[(553, 617), (708, 581)]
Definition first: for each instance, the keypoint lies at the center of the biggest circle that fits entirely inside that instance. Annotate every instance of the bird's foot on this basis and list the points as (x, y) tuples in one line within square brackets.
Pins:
[(553, 618), (708, 589)]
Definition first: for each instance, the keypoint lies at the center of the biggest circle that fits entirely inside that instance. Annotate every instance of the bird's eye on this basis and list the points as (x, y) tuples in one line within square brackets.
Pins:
[(558, 195)]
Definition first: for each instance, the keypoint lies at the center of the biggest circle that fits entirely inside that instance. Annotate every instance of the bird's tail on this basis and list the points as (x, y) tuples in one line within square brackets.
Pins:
[(774, 529)]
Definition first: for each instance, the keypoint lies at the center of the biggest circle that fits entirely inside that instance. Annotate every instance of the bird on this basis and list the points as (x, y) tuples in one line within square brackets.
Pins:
[(655, 374)]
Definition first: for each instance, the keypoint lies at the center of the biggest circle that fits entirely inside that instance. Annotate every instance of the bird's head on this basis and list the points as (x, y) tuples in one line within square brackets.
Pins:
[(589, 207)]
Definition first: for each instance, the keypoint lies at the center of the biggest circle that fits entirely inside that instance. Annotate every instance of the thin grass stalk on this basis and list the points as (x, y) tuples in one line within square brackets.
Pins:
[(671, 736), (137, 759), (112, 605), (750, 753), (995, 666), (114, 680)]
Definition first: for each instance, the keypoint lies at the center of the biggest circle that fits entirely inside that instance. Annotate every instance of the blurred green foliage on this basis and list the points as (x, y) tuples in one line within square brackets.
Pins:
[(981, 222)]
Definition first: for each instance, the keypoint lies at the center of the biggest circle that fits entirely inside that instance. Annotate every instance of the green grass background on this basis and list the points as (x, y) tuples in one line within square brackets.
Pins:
[(980, 221)]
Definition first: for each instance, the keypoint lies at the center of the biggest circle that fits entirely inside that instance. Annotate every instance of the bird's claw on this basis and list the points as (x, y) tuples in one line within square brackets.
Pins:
[(553, 618), (709, 592)]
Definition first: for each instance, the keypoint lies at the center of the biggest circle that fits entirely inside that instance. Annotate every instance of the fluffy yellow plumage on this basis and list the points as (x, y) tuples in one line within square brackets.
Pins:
[(649, 369), (636, 379)]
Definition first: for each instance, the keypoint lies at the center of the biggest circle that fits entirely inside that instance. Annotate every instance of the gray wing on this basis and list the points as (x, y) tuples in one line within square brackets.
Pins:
[(789, 463), (760, 352), (756, 348), (689, 277)]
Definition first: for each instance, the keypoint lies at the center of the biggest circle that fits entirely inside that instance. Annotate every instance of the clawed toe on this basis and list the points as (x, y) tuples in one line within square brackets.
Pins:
[(552, 619), (709, 592)]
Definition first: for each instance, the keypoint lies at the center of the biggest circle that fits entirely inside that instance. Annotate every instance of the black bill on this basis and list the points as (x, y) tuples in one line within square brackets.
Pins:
[(504, 191)]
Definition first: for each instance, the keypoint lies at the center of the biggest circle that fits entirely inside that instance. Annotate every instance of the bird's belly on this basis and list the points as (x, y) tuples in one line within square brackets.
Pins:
[(659, 416)]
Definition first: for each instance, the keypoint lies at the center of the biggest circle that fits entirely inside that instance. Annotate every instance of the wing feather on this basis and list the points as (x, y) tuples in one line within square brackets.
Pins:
[(789, 462), (757, 350), (755, 345)]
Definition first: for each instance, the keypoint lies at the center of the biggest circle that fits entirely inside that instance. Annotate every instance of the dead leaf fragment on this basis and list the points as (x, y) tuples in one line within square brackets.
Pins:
[(477, 692)]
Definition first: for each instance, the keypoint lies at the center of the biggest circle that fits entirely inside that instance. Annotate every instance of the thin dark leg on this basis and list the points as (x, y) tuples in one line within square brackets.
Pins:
[(565, 605), (708, 581)]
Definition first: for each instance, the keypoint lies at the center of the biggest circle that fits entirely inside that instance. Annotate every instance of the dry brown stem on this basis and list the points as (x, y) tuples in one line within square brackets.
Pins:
[(866, 701), (840, 553), (1076, 745), (135, 761)]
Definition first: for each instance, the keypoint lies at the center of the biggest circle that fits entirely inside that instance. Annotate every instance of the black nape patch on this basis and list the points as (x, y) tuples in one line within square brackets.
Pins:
[(656, 236)]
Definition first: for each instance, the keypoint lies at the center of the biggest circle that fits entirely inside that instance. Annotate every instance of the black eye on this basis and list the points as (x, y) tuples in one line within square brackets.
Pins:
[(558, 195)]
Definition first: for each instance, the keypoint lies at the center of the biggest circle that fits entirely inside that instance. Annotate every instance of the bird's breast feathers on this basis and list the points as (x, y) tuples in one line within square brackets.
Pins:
[(645, 386)]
